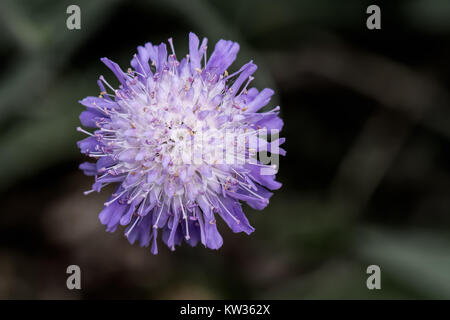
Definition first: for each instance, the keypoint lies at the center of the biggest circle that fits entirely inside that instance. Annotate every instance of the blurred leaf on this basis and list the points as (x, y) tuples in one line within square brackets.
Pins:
[(430, 15), (311, 228), (34, 72), (46, 139), (19, 26), (418, 259), (338, 279)]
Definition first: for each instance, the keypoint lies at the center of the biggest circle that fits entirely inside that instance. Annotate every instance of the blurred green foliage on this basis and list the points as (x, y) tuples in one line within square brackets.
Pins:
[(366, 177)]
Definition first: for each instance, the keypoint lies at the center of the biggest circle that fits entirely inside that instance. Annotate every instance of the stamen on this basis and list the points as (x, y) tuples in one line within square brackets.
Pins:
[(185, 219), (155, 226), (106, 82), (132, 227), (79, 129), (171, 46), (234, 218), (117, 197)]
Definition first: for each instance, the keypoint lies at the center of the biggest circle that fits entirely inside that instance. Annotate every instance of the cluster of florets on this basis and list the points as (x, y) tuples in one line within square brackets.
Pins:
[(180, 139)]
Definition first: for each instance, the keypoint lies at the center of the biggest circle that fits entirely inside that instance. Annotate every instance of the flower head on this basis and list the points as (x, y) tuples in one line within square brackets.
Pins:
[(180, 139)]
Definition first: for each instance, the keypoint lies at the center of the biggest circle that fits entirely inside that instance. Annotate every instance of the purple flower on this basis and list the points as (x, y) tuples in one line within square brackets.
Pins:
[(181, 141)]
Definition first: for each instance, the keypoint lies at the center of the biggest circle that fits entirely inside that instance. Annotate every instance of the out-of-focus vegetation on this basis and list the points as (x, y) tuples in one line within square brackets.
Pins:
[(366, 178)]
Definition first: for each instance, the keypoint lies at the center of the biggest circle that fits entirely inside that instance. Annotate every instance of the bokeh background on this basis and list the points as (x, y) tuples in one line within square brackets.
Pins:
[(366, 177)]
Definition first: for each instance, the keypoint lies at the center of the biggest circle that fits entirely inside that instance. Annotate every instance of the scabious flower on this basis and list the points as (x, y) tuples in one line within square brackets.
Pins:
[(169, 138)]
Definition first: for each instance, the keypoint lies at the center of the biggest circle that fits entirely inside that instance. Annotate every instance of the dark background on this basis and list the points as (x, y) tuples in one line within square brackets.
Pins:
[(366, 177)]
